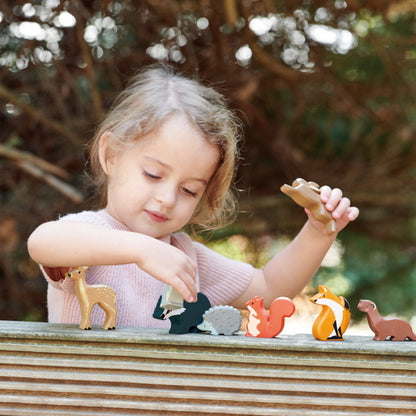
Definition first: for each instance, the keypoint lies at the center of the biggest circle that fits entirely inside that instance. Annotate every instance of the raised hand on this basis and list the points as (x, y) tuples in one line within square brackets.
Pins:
[(339, 207), (170, 265)]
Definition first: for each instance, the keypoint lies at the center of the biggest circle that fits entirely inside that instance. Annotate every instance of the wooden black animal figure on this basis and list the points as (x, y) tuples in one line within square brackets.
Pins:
[(185, 319)]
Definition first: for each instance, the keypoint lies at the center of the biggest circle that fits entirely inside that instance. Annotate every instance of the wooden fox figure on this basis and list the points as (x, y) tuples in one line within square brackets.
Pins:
[(333, 320), (263, 324)]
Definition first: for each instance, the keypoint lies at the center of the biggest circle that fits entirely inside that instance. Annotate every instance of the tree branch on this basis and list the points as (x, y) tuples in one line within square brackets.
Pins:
[(264, 58), (21, 156), (37, 115), (62, 187), (42, 170), (86, 56)]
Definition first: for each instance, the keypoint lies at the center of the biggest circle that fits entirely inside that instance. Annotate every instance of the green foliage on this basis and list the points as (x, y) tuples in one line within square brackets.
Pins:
[(378, 271), (383, 272)]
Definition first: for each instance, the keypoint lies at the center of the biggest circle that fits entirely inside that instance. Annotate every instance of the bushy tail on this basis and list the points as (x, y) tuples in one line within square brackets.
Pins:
[(280, 308)]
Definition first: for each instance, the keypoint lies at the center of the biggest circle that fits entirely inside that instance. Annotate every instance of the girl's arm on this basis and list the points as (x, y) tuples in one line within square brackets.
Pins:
[(287, 273), (71, 244)]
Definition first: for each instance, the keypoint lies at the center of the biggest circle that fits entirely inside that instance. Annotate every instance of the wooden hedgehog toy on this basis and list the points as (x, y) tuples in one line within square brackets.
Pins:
[(221, 320)]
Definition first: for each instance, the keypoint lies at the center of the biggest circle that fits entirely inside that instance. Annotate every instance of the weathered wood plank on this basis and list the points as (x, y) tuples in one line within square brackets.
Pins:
[(397, 399), (58, 369), (182, 381), (17, 361), (200, 408), (119, 412)]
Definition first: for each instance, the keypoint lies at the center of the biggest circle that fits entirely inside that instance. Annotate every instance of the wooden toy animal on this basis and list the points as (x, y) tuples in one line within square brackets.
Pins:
[(171, 298), (185, 319), (333, 320), (221, 320), (306, 194), (265, 324), (89, 295), (395, 329)]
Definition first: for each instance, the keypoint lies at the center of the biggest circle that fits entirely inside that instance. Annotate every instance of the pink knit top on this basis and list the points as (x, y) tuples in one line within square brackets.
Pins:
[(221, 279)]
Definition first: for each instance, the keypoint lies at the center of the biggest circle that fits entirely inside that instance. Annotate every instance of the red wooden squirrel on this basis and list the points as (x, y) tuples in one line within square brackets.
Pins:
[(264, 324)]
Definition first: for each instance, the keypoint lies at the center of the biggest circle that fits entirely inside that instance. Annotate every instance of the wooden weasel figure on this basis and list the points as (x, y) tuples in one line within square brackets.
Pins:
[(334, 318), (89, 295), (306, 194), (267, 325), (395, 329)]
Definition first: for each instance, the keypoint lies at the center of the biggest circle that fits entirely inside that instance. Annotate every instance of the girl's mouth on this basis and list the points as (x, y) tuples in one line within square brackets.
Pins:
[(157, 216)]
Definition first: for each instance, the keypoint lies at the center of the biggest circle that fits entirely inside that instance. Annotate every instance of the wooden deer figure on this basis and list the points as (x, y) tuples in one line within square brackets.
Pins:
[(306, 194), (89, 295)]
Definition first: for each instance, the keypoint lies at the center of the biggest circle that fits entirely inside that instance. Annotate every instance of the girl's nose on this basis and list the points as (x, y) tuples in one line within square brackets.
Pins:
[(166, 195)]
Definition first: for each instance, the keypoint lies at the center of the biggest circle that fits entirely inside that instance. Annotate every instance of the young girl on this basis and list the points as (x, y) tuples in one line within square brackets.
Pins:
[(165, 157)]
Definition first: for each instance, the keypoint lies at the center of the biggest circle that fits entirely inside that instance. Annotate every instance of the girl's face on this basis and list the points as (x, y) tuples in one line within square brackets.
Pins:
[(155, 185)]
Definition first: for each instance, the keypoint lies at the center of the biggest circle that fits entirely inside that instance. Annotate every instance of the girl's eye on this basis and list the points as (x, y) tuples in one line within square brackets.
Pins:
[(190, 193), (150, 175)]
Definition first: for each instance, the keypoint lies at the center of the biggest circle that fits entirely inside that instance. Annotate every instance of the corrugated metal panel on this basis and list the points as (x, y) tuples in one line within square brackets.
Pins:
[(60, 370)]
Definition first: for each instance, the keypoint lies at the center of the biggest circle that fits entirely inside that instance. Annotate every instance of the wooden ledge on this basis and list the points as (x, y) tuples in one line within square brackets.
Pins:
[(50, 369), (131, 335)]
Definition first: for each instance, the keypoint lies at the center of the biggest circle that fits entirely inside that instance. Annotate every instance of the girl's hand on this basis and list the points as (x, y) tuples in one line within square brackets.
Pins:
[(170, 265), (339, 207)]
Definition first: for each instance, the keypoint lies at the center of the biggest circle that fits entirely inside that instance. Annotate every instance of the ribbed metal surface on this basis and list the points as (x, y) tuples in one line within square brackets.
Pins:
[(61, 370)]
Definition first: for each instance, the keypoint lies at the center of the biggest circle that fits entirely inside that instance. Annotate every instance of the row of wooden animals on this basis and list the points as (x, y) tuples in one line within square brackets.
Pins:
[(305, 194), (199, 316)]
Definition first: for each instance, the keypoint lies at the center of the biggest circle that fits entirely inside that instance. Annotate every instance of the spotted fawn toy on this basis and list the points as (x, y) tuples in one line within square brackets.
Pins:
[(265, 324), (221, 320), (395, 329), (306, 194), (89, 295), (333, 320)]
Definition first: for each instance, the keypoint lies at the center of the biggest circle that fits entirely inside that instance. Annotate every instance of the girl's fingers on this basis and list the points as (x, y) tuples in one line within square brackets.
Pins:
[(187, 287), (191, 269), (334, 198), (353, 213), (325, 193), (341, 208)]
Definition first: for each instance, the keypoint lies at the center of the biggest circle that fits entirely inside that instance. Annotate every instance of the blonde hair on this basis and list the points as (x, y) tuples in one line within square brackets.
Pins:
[(156, 93)]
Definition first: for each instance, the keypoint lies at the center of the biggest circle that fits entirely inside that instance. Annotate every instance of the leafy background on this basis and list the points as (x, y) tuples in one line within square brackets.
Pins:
[(325, 89)]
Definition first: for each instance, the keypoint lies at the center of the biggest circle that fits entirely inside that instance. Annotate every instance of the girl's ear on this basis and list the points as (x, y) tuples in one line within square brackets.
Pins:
[(104, 153)]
